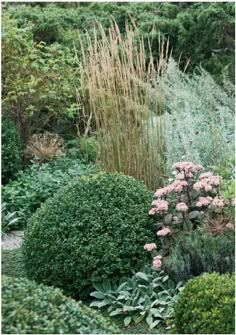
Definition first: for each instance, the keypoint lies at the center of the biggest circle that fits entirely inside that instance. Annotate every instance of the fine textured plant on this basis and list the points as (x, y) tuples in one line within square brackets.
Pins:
[(45, 146), (200, 252), (200, 118), (206, 305), (148, 295), (125, 102), (88, 148), (98, 226), (39, 182), (11, 150), (12, 263), (38, 309)]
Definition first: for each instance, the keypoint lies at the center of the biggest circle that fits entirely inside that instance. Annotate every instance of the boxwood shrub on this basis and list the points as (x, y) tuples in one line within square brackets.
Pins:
[(28, 308), (93, 229), (11, 150), (206, 305)]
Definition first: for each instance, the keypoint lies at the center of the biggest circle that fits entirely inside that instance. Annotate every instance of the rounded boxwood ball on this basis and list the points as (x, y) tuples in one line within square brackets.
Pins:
[(28, 308), (93, 229), (206, 305)]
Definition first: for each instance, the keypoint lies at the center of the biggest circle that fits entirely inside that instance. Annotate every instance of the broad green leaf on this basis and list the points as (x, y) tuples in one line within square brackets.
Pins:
[(142, 276), (127, 320), (106, 285), (98, 295), (149, 319), (116, 312), (154, 324), (156, 312), (98, 287)]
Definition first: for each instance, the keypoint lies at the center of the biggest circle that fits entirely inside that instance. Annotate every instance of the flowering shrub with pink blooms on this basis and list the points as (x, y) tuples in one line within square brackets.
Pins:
[(192, 197)]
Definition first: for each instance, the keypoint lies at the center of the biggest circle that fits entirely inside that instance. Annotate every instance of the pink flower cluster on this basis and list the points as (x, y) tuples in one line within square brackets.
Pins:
[(157, 262), (206, 182), (150, 246), (187, 167), (233, 202), (204, 201), (161, 205), (164, 231), (219, 202), (176, 186), (182, 207)]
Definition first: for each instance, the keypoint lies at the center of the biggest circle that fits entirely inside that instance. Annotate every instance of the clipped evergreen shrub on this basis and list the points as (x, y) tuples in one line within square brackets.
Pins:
[(28, 308), (93, 229), (200, 252), (11, 150), (206, 305)]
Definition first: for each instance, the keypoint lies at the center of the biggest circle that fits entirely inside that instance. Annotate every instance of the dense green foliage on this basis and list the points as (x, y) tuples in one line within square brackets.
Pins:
[(12, 263), (148, 295), (91, 230), (180, 22), (206, 305), (38, 81), (11, 150), (39, 182), (200, 252), (38, 309)]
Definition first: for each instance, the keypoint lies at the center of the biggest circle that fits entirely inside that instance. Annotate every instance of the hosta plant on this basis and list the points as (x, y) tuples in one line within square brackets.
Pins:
[(191, 197), (9, 219), (148, 295)]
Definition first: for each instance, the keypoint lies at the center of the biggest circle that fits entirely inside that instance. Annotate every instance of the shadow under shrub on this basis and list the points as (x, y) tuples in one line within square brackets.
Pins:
[(11, 150), (91, 230), (38, 309), (206, 305), (200, 252)]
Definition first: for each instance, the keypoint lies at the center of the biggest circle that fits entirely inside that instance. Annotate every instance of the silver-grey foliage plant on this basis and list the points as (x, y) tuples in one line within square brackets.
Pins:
[(199, 117)]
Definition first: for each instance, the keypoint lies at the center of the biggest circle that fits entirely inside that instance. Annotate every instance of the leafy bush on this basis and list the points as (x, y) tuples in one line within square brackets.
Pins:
[(39, 182), (200, 252), (206, 305), (38, 309), (98, 226), (147, 295), (11, 150), (13, 263), (88, 149)]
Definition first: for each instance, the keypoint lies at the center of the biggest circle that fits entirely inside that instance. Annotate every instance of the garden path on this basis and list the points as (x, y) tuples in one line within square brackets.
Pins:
[(12, 240)]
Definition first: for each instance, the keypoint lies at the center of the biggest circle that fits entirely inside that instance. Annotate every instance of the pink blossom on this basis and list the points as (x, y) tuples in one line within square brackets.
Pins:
[(182, 207), (150, 246), (204, 201), (161, 205), (178, 185), (180, 176), (187, 167), (205, 175), (215, 180), (157, 262), (198, 185), (218, 202), (160, 192), (233, 202), (153, 211), (164, 231)]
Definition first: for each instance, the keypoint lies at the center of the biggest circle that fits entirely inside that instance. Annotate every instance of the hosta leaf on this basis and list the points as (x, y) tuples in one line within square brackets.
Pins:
[(116, 312), (106, 285), (127, 320), (154, 324), (103, 303), (149, 319), (139, 319), (98, 287), (95, 303), (128, 308), (142, 276), (98, 295), (156, 312)]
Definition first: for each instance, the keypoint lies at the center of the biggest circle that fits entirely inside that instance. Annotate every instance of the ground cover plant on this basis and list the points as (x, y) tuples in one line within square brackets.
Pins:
[(98, 226), (38, 309)]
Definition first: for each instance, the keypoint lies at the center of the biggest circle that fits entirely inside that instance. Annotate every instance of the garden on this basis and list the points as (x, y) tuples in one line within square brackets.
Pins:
[(118, 168)]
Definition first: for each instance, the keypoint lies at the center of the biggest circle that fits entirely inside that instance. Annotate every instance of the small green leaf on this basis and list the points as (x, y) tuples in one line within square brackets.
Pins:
[(154, 324), (127, 320), (142, 276), (98, 295), (149, 319)]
